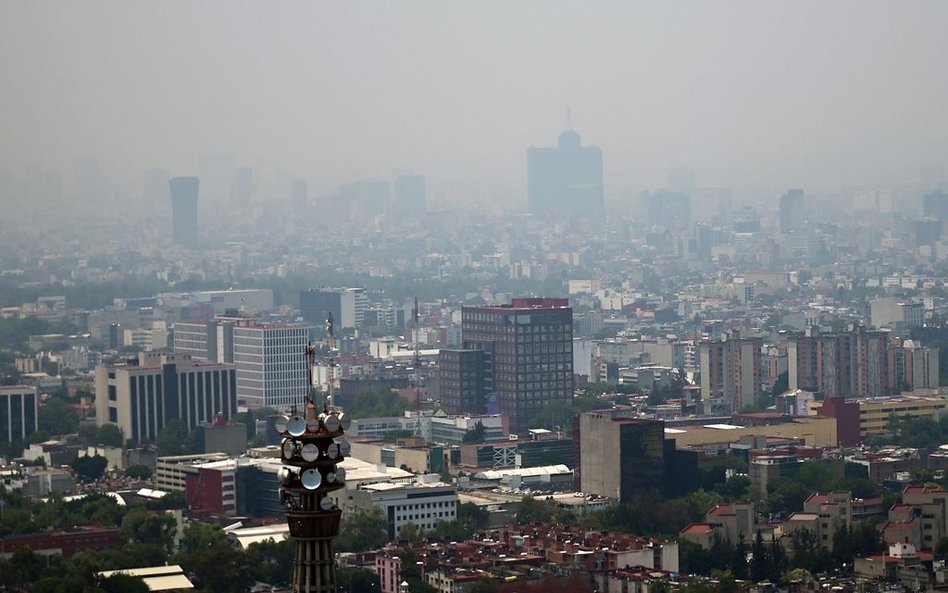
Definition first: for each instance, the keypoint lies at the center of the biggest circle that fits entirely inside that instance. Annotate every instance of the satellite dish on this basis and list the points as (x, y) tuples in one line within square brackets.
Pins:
[(332, 451), (330, 477), (332, 423), (289, 448), (296, 426), (311, 479), (345, 421), (340, 475), (325, 503), (312, 425), (286, 475), (345, 448), (309, 452), (280, 424)]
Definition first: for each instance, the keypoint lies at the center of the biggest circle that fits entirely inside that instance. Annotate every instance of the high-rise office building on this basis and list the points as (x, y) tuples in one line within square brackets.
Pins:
[(347, 305), (792, 211), (242, 188), (620, 457), (270, 363), (851, 363), (206, 340), (19, 412), (410, 197), (462, 381), (669, 210), (300, 198), (730, 372), (566, 179), (141, 398), (527, 354), (184, 217)]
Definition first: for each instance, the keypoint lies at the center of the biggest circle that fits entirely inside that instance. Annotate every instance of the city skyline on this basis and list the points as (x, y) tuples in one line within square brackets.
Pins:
[(657, 87)]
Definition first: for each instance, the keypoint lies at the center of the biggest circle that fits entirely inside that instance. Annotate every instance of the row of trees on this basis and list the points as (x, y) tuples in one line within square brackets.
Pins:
[(765, 559)]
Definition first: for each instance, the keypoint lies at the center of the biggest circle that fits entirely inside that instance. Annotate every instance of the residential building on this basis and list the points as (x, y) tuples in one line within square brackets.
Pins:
[(141, 398), (731, 371), (851, 363)]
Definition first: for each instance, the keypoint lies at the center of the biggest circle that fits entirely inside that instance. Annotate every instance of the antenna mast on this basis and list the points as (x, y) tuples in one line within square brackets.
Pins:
[(332, 361), (415, 317)]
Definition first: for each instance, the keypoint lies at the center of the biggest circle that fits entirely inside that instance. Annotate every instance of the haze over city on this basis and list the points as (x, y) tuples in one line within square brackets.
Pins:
[(746, 94), (482, 297)]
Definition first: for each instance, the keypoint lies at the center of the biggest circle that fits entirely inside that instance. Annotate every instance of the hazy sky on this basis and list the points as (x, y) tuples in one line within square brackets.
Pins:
[(760, 92)]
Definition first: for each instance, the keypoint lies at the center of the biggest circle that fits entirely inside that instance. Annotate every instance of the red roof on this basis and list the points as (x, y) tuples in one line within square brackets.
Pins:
[(697, 529)]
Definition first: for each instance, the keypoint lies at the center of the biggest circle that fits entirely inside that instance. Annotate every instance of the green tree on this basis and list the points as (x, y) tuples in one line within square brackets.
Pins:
[(143, 527), (109, 435), (57, 417), (175, 439), (123, 583), (363, 531), (89, 468), (138, 472), (351, 579), (476, 434), (532, 510), (272, 562)]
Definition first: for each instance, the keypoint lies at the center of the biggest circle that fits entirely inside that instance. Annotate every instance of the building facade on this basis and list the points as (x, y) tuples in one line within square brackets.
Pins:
[(141, 398), (19, 412), (527, 355), (731, 371), (184, 216), (270, 364), (347, 306), (852, 363), (620, 457), (566, 179)]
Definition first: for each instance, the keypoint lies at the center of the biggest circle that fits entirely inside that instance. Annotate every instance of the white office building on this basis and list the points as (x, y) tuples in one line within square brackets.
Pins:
[(271, 364)]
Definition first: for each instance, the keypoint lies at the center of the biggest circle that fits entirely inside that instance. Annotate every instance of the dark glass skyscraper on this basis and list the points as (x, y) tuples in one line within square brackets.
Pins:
[(527, 354), (184, 218), (566, 179)]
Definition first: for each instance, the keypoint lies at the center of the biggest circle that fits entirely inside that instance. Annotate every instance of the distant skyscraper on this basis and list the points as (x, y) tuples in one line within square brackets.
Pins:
[(935, 205), (155, 190), (347, 306), (792, 211), (566, 179), (241, 191), (300, 197), (410, 198), (184, 218), (669, 210), (527, 356)]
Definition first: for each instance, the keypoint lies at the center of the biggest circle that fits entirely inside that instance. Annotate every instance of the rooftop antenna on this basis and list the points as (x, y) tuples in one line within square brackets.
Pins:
[(332, 361), (310, 372), (415, 318)]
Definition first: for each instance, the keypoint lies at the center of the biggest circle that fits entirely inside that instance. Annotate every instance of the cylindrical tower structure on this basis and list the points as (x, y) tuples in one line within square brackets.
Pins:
[(313, 445)]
